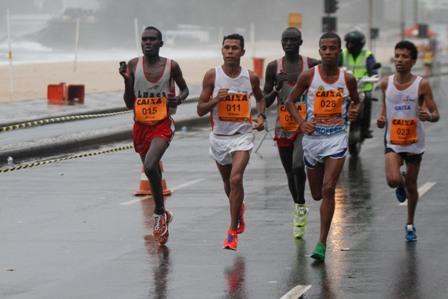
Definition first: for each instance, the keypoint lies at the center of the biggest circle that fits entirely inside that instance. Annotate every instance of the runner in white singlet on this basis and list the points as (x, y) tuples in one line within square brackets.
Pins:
[(227, 92), (407, 102), (325, 127)]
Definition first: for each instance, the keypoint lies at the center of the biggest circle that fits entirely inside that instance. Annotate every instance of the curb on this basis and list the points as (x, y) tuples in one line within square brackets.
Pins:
[(78, 142)]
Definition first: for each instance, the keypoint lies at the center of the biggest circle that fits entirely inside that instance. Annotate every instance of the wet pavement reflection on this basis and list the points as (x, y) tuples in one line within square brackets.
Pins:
[(236, 279), (158, 256)]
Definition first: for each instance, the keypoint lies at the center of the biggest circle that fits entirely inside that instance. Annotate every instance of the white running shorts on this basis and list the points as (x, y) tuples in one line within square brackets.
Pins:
[(315, 149), (222, 147)]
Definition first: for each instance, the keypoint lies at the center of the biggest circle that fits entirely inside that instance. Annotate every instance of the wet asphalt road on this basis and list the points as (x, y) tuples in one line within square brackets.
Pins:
[(73, 230)]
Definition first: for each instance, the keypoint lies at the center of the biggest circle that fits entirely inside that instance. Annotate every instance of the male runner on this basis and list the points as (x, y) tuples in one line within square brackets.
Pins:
[(326, 139), (227, 92), (281, 75), (407, 102), (150, 92)]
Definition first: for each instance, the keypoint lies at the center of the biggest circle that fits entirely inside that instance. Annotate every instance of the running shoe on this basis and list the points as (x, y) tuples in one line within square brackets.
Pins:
[(411, 235), (231, 241), (298, 232), (319, 252), (241, 223), (300, 220), (160, 230), (400, 191)]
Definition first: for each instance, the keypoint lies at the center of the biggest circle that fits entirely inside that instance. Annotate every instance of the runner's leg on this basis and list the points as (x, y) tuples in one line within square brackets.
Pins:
[(240, 159), (152, 170), (333, 168), (298, 169), (393, 161), (225, 171), (411, 189), (315, 180), (286, 157)]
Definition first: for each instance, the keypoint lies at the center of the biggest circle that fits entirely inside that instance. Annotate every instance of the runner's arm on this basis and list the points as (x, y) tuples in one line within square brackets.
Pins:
[(381, 119), (128, 74), (206, 102), (270, 93), (313, 62), (261, 104), (302, 84), (352, 85), (426, 99), (180, 82)]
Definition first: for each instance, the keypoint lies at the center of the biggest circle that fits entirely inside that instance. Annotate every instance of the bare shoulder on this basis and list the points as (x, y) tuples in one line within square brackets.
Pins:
[(384, 82), (253, 78), (313, 62), (209, 77)]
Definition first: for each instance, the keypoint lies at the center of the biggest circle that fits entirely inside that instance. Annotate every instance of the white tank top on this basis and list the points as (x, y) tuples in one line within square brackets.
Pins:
[(162, 87), (238, 85), (404, 131), (327, 104)]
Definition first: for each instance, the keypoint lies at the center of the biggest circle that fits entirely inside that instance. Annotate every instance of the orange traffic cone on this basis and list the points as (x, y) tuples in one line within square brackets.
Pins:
[(145, 186)]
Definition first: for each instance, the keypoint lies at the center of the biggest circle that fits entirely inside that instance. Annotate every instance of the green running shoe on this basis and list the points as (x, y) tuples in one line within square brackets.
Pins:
[(319, 252)]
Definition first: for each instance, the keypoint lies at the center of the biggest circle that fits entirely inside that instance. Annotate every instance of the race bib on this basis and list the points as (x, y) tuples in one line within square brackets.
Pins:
[(403, 131), (235, 107), (287, 122), (328, 103), (150, 110)]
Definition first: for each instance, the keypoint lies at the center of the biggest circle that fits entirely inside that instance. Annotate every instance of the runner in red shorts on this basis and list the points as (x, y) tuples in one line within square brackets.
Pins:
[(150, 92)]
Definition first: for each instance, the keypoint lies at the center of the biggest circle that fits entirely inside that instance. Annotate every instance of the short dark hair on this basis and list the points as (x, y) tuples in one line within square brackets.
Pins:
[(155, 29), (328, 35), (405, 44), (293, 29), (235, 36)]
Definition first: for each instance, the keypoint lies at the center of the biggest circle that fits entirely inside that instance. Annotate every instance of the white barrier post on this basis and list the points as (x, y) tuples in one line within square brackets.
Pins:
[(11, 70), (76, 44)]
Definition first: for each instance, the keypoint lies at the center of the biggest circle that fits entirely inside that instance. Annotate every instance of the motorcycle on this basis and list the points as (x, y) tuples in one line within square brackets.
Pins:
[(356, 135)]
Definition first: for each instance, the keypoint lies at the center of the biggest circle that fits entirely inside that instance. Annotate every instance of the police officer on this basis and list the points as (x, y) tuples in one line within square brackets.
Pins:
[(361, 63)]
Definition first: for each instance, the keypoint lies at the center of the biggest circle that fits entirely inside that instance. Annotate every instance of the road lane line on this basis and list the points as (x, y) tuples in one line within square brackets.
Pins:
[(296, 292), (188, 184), (181, 186), (421, 191)]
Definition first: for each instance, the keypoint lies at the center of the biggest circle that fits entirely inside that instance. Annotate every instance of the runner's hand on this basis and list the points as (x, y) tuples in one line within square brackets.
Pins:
[(222, 94), (307, 127), (353, 112), (424, 115), (123, 70), (381, 121), (173, 102), (258, 124)]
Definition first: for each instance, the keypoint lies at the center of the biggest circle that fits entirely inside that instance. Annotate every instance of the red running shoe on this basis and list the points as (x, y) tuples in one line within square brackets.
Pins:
[(231, 241)]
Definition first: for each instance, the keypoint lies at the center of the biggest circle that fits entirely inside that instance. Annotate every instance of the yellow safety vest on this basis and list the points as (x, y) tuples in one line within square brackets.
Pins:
[(358, 66)]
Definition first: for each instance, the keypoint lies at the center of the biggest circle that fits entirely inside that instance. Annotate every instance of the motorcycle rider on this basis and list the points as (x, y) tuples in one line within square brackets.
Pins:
[(361, 62)]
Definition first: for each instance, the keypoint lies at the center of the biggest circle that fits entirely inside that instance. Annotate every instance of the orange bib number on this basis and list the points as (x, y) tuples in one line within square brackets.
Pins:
[(287, 122), (328, 103), (150, 110), (235, 107), (403, 131)]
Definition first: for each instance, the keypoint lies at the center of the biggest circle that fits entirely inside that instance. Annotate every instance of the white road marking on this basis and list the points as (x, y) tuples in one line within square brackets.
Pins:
[(187, 184), (421, 191), (296, 292), (181, 186)]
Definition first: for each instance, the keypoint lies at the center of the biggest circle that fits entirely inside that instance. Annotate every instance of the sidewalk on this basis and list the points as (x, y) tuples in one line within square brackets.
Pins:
[(43, 141)]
